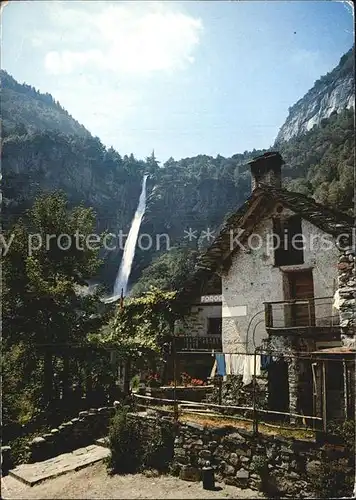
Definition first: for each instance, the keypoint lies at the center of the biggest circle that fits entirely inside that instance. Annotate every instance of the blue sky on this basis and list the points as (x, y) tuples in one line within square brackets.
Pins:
[(182, 78)]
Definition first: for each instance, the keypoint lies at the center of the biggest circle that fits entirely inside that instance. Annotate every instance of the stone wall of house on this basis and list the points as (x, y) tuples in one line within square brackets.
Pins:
[(347, 295), (253, 279), (196, 322)]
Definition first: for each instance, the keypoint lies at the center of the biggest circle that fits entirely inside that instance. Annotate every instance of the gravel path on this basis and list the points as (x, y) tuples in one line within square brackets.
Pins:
[(94, 483)]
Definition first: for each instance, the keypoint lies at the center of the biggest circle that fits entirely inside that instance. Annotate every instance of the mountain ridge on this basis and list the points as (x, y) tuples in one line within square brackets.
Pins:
[(334, 91)]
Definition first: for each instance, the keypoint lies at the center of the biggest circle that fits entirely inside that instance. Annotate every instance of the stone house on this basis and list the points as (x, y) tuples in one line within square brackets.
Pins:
[(198, 334), (281, 258)]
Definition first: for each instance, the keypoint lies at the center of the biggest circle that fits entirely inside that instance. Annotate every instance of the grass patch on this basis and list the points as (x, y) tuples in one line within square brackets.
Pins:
[(223, 421)]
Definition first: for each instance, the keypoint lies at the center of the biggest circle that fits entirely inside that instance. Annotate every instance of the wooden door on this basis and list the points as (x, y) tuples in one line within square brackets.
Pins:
[(301, 287)]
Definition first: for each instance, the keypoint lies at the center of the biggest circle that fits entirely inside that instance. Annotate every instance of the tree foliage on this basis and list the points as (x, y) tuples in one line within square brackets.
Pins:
[(40, 299), (141, 325)]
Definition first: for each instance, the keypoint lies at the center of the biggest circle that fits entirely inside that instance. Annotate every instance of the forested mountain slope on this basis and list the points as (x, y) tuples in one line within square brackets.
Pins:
[(23, 108)]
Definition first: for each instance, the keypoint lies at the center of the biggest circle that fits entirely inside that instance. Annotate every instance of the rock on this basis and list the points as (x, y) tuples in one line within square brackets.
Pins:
[(206, 454), (284, 449), (38, 440), (234, 459), (190, 473), (242, 452), (195, 426), (212, 445), (179, 452), (242, 474), (229, 470), (235, 437), (313, 468)]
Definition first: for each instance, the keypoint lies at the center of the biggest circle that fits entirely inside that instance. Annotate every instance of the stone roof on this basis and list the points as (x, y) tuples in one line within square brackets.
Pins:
[(262, 200)]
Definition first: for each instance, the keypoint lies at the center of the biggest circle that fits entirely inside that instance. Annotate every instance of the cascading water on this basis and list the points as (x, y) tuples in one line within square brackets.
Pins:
[(123, 274)]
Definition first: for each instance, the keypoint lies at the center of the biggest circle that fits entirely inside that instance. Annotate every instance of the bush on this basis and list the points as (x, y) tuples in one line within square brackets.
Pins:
[(136, 444), (335, 479), (124, 443)]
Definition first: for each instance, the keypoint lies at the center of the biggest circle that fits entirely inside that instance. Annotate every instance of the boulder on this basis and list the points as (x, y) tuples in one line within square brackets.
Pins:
[(190, 474)]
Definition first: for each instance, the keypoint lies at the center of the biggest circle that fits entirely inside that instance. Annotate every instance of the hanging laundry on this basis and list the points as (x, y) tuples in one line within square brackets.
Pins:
[(228, 364), (250, 369), (220, 361), (237, 364), (266, 360)]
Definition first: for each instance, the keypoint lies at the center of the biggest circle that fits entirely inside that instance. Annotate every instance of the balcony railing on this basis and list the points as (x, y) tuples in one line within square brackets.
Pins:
[(195, 343), (312, 314)]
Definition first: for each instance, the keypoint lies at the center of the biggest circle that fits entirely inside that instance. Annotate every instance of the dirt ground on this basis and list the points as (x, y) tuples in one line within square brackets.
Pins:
[(93, 482)]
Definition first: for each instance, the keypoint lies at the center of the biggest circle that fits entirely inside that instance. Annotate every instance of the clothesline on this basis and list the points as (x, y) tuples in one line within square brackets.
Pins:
[(243, 364)]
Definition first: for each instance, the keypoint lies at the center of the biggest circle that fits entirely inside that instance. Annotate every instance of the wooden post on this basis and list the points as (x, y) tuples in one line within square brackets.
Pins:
[(127, 370), (65, 379), (324, 396), (268, 315), (255, 420), (309, 313), (175, 380), (346, 395), (220, 390)]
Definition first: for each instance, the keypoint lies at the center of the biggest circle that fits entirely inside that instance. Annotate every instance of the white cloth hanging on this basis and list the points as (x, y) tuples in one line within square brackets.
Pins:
[(249, 366), (237, 364), (228, 364)]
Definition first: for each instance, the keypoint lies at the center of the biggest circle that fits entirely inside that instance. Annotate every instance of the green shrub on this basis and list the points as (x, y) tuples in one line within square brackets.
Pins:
[(135, 383), (158, 446), (137, 444), (335, 479), (124, 443)]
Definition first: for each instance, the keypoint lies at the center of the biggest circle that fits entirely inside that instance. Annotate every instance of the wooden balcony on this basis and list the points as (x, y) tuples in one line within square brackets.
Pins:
[(195, 343), (306, 317)]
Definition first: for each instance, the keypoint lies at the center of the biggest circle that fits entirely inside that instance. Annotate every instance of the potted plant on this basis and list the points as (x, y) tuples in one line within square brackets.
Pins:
[(186, 379), (153, 380)]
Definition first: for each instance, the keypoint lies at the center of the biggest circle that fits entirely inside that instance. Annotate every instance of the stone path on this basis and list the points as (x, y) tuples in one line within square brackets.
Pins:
[(31, 474)]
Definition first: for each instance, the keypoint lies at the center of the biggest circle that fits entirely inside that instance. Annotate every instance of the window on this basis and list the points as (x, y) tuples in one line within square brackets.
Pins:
[(214, 326), (288, 237)]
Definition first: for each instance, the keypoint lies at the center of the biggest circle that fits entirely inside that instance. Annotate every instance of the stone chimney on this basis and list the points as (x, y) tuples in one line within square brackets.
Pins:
[(266, 169)]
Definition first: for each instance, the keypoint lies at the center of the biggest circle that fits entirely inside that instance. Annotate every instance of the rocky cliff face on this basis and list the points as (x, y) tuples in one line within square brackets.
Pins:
[(332, 92)]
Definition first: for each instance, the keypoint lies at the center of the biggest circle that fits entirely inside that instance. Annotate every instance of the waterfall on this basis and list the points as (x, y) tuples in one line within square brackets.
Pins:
[(123, 274)]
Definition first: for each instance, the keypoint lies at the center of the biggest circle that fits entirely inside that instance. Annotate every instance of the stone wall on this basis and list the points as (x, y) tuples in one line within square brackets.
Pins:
[(78, 432), (232, 392), (347, 295), (286, 466)]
